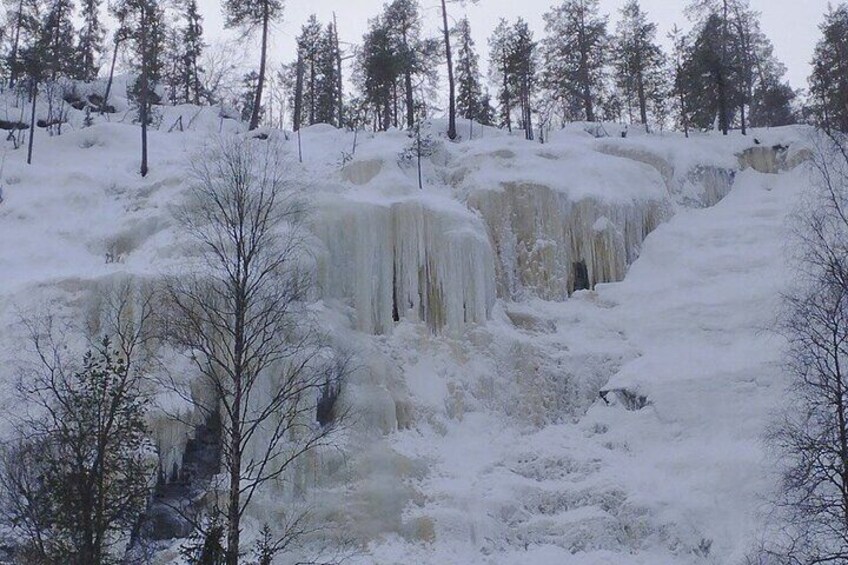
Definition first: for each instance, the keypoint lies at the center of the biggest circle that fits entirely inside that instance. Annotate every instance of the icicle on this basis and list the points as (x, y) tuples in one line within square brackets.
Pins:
[(406, 260)]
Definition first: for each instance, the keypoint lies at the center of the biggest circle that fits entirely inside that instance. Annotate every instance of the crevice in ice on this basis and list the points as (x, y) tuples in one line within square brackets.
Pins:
[(630, 400), (581, 276)]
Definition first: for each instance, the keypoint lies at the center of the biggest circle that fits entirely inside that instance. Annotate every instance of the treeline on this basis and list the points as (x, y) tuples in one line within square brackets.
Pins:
[(722, 72)]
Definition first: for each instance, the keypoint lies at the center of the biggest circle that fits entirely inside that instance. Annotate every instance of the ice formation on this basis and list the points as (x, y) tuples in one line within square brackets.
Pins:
[(480, 437), (548, 245), (408, 259)]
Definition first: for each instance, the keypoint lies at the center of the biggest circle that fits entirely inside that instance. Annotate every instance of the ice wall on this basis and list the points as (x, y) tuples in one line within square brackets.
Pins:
[(407, 259), (699, 183), (548, 245)]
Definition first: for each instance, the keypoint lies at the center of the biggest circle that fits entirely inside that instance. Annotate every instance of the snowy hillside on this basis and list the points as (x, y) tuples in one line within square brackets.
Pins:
[(563, 348)]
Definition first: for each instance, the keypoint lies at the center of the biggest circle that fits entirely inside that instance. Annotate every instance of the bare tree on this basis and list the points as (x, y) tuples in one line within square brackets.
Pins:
[(812, 438), (241, 318), (77, 476)]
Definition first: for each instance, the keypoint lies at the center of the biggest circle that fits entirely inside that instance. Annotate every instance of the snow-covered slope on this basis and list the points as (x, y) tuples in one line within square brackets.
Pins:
[(481, 436), (676, 480)]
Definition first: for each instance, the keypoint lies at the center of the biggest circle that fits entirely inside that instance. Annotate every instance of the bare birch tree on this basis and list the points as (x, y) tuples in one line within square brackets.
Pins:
[(812, 438), (241, 318)]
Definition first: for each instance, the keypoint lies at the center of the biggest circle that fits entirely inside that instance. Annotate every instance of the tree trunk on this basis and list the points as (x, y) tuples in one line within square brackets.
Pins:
[(234, 502), (451, 83), (298, 93), (111, 76), (506, 102), (257, 99), (32, 122), (145, 65), (722, 103), (643, 102), (410, 101), (722, 80), (312, 78), (584, 71), (239, 340), (338, 72)]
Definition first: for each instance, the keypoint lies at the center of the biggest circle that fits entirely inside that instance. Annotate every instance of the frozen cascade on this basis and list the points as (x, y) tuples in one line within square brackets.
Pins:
[(549, 245), (406, 259)]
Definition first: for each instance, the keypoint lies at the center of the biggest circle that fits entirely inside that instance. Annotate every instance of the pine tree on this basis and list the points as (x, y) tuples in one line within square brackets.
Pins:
[(378, 68), (772, 105), (500, 72), (145, 30), (327, 94), (90, 43), (680, 49), (574, 53), (451, 79), (308, 49), (522, 62), (469, 98), (57, 48), (707, 79), (248, 96), (415, 55), (193, 45), (249, 15), (829, 80), (638, 60)]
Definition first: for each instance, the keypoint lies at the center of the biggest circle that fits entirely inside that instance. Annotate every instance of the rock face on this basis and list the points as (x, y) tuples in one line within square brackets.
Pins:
[(179, 490)]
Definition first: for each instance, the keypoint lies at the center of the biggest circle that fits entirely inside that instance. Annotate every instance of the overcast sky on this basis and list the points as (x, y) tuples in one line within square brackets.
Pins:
[(791, 24)]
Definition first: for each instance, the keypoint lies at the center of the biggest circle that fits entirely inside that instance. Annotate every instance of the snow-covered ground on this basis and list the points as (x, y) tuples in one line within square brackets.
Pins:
[(481, 436)]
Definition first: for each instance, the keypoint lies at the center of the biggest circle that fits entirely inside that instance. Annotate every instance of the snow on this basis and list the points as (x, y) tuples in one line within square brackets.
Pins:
[(480, 436)]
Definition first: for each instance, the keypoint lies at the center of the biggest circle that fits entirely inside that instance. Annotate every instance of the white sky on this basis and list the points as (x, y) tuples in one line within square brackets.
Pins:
[(791, 24)]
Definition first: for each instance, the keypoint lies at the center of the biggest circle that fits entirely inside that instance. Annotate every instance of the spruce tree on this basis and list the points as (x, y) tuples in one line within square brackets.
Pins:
[(327, 94), (193, 45), (90, 43), (638, 60), (57, 48), (680, 49), (143, 22), (378, 68), (522, 62), (308, 49), (88, 482), (772, 105), (250, 15), (469, 97), (500, 72), (829, 80), (574, 52), (706, 78)]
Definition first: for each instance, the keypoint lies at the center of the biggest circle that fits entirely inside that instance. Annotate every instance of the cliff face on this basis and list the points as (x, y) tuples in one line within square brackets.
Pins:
[(483, 322)]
